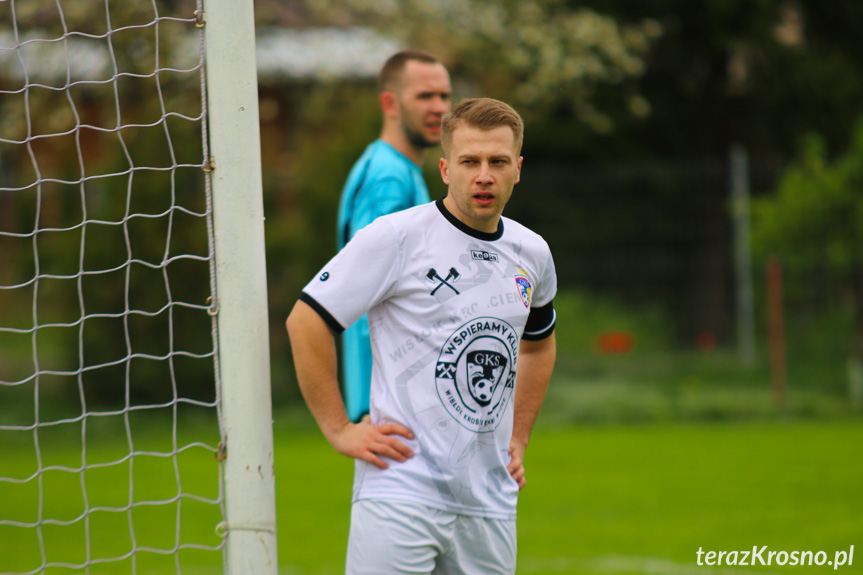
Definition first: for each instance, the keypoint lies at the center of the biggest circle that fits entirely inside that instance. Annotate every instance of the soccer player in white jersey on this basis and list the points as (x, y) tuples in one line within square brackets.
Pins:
[(459, 301)]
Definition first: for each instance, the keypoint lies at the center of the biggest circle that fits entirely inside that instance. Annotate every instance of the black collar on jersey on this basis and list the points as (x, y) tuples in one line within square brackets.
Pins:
[(485, 236)]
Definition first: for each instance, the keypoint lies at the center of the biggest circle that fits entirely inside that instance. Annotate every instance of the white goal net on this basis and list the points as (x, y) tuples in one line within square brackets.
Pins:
[(109, 408)]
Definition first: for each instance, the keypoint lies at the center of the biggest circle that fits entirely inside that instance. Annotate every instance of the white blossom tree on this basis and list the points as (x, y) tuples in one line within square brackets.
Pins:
[(539, 55)]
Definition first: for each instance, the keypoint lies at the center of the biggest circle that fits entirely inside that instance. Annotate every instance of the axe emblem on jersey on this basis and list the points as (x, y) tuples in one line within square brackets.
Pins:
[(451, 276)]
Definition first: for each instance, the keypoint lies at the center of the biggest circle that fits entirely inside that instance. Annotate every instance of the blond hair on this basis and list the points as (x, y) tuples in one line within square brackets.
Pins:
[(485, 114)]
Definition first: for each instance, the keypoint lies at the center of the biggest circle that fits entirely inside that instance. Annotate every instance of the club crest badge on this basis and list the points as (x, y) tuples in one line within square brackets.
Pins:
[(524, 288), (475, 373)]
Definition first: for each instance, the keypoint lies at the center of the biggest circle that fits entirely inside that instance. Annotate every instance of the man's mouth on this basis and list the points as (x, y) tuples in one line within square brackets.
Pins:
[(483, 199)]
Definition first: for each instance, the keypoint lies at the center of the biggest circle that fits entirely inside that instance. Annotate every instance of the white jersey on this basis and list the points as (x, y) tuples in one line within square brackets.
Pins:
[(447, 308)]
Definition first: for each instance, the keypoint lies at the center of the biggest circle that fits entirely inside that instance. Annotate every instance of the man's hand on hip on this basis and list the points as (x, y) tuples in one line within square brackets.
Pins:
[(371, 442)]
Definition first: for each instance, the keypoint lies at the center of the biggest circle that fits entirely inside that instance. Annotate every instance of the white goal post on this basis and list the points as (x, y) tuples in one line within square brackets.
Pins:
[(238, 218)]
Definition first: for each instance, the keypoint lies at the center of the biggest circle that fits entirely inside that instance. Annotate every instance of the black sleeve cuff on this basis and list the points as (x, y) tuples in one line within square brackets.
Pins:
[(325, 315), (540, 322)]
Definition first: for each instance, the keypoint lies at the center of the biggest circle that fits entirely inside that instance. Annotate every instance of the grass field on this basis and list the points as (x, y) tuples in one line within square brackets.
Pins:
[(629, 500), (625, 500)]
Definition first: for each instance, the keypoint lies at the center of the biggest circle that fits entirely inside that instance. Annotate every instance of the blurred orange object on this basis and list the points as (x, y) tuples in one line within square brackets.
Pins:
[(614, 342), (706, 341)]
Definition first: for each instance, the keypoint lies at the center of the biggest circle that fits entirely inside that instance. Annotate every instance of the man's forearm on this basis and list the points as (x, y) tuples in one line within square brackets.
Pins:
[(314, 350), (535, 366)]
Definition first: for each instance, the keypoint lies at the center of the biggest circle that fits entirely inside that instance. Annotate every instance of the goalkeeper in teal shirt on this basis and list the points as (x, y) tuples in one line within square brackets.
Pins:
[(414, 93)]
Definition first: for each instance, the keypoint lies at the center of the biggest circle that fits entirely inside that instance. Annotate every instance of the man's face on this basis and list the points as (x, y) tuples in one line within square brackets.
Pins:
[(424, 97), (481, 168)]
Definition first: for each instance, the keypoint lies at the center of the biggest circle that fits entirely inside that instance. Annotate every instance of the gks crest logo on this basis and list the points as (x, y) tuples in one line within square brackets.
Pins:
[(475, 373)]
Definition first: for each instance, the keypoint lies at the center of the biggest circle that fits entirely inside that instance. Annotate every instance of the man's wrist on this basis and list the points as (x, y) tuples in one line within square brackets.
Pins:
[(332, 426), (520, 439)]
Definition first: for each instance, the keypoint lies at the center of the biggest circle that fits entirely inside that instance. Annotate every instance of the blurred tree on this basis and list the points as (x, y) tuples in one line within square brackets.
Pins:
[(539, 56), (753, 72), (758, 73), (605, 79), (814, 223)]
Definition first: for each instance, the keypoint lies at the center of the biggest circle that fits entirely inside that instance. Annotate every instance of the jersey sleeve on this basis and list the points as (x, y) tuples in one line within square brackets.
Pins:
[(381, 197), (542, 318), (358, 277)]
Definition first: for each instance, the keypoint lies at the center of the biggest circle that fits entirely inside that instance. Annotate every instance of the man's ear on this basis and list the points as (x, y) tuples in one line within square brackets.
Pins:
[(444, 171), (518, 174), (389, 104)]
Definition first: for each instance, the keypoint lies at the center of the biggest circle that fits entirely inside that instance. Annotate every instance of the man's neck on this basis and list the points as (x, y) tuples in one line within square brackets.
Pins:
[(489, 226)]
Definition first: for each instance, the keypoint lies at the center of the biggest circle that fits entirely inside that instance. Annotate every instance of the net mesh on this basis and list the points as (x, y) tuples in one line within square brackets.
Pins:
[(108, 404)]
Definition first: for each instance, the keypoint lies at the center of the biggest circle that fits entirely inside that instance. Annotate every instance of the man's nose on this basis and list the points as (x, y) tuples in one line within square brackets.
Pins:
[(484, 175)]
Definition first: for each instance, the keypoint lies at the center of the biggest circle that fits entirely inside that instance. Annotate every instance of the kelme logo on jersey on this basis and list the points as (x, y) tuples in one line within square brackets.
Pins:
[(483, 256), (475, 372), (524, 288)]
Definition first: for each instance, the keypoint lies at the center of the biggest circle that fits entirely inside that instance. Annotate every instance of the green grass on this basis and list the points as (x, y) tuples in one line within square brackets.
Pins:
[(631, 495), (601, 499), (111, 480), (628, 499)]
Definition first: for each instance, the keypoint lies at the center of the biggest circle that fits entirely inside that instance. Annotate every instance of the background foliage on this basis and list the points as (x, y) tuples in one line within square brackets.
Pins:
[(631, 107)]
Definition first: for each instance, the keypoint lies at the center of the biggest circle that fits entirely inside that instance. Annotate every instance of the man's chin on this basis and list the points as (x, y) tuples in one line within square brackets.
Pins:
[(419, 141)]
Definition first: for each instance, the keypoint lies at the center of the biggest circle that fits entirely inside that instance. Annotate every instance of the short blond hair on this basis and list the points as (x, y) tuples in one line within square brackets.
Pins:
[(485, 114)]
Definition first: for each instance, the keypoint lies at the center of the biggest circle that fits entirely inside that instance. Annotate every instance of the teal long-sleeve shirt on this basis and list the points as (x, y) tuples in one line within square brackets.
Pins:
[(381, 182)]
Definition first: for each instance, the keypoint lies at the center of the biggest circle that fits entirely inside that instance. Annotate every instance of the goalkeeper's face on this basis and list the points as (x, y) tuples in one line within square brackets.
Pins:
[(423, 100)]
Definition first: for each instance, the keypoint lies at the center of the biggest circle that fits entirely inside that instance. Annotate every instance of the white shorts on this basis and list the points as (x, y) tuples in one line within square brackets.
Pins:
[(394, 537)]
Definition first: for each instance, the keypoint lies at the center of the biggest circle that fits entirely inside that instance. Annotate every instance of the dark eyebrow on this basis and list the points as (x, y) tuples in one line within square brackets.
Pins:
[(427, 93)]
